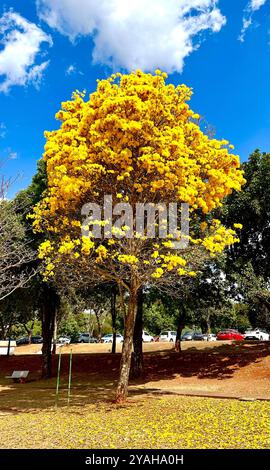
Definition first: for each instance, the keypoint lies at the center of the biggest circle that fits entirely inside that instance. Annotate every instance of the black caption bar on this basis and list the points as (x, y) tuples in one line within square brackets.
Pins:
[(120, 458)]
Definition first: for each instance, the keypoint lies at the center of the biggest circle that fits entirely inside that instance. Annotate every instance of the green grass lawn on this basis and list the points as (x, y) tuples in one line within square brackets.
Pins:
[(144, 422)]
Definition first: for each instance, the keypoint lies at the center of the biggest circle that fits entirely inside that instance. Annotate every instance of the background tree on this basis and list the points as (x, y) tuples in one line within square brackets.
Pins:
[(21, 307), (248, 262), (46, 293), (16, 254), (251, 207), (159, 313), (254, 293), (98, 301), (212, 295), (8, 318)]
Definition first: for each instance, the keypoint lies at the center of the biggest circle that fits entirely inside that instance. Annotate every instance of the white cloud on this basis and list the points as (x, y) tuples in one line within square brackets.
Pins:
[(3, 130), (251, 8), (12, 155), (72, 69), (144, 34), (256, 4), (21, 41), (8, 154)]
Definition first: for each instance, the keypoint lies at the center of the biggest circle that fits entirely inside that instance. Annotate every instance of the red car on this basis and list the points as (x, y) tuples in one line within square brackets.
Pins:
[(230, 335)]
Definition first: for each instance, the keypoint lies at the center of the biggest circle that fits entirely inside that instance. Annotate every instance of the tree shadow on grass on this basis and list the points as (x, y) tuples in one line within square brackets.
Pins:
[(27, 398), (95, 375), (41, 395), (218, 363)]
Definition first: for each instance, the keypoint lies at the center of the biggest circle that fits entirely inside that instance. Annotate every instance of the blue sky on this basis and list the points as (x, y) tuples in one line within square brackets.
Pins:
[(49, 48)]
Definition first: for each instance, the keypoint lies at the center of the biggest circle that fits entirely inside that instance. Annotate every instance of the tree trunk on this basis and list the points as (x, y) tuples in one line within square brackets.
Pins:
[(49, 305), (208, 322), (180, 327), (122, 388), (178, 337), (98, 325), (113, 314), (137, 366), (5, 330), (54, 334), (2, 332), (29, 332), (8, 348), (204, 326)]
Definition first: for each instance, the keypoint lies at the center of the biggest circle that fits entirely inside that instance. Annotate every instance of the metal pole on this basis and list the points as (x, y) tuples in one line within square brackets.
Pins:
[(8, 348), (58, 377), (69, 376)]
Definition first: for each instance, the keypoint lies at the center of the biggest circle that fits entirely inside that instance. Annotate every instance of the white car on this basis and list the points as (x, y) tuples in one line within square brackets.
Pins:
[(211, 337), (109, 338), (63, 340), (258, 334), (168, 336), (146, 337)]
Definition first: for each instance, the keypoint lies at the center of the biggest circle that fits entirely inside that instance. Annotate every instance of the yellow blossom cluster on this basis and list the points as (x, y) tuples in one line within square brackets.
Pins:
[(45, 249), (221, 238), (172, 261), (87, 245), (137, 139), (128, 259), (102, 252), (158, 273)]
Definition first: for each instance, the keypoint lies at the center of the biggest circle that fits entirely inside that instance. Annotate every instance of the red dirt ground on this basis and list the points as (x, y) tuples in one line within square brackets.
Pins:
[(231, 370)]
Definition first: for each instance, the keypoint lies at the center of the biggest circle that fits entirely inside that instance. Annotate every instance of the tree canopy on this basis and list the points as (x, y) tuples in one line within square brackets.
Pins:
[(251, 207), (137, 140)]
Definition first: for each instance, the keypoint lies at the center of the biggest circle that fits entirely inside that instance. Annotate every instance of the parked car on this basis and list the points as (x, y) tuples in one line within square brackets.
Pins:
[(25, 340), (187, 336), (197, 336), (256, 334), (146, 337), (86, 338), (109, 338), (64, 340), (230, 335), (37, 339), (211, 337), (168, 336)]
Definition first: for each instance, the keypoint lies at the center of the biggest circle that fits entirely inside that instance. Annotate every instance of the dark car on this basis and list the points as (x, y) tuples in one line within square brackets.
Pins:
[(37, 340), (187, 336), (198, 336), (25, 340), (86, 338)]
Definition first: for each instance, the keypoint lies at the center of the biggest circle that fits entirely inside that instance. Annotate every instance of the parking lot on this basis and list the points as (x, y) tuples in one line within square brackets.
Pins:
[(85, 348)]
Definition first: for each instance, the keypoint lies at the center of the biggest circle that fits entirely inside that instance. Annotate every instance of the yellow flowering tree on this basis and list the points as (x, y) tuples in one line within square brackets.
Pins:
[(137, 140)]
